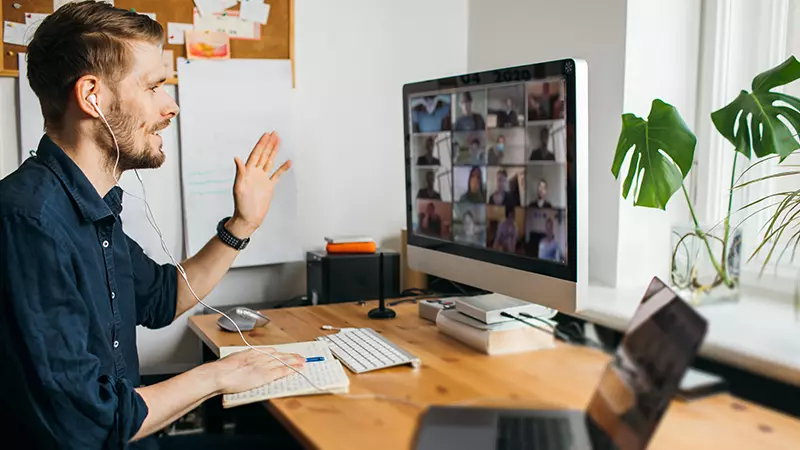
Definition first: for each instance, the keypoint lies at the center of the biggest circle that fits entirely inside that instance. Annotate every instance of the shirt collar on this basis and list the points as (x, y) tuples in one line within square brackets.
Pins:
[(83, 193)]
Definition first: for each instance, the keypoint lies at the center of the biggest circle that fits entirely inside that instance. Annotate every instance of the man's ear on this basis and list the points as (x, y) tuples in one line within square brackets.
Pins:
[(85, 86)]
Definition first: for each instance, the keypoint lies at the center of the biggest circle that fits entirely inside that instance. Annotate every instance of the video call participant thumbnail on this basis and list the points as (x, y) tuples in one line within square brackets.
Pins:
[(470, 224), (545, 234), (427, 158), (428, 191), (431, 113), (541, 150), (545, 100), (505, 228), (469, 119), (506, 190), (470, 184), (470, 149), (434, 218), (541, 200), (506, 106)]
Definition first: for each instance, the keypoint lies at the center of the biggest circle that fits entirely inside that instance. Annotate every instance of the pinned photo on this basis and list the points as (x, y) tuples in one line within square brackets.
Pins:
[(207, 45)]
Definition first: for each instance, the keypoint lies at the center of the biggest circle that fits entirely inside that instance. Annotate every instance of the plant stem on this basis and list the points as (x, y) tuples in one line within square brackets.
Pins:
[(727, 226), (722, 273)]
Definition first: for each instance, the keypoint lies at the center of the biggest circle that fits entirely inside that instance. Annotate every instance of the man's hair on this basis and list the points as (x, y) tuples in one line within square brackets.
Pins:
[(80, 39)]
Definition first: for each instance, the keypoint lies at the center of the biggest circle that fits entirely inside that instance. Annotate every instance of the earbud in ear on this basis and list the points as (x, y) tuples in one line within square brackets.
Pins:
[(93, 100)]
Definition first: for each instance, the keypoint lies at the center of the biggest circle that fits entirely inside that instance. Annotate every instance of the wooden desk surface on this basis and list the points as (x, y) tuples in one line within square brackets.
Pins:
[(564, 377)]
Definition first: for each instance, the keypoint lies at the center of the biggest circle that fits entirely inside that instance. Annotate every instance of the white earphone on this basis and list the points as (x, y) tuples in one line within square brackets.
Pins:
[(93, 100)]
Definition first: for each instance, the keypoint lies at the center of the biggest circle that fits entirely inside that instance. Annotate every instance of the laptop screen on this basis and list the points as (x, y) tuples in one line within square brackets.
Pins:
[(660, 343)]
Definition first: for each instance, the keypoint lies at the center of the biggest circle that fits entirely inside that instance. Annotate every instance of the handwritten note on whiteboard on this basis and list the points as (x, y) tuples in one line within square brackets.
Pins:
[(225, 108)]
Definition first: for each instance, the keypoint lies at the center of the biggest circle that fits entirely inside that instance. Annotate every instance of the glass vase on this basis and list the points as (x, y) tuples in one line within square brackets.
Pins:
[(700, 271)]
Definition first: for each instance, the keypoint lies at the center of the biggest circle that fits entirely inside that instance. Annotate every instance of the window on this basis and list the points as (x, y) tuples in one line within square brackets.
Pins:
[(740, 39)]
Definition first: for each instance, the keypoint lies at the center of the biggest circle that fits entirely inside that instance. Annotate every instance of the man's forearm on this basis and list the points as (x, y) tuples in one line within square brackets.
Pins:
[(169, 400), (208, 266)]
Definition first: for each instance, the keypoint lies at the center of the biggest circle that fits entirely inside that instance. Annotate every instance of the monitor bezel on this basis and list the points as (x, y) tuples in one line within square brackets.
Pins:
[(565, 68)]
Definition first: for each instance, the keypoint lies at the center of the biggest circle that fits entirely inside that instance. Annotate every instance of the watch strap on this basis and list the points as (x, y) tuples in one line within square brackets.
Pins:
[(230, 240)]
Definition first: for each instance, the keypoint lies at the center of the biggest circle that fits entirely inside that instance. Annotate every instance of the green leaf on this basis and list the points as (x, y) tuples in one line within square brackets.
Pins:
[(757, 115), (662, 153)]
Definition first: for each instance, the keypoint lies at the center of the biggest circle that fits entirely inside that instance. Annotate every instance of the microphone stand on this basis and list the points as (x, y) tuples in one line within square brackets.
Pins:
[(381, 312)]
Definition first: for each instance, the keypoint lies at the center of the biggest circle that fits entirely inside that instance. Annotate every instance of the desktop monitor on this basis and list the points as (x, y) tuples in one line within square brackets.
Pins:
[(496, 180)]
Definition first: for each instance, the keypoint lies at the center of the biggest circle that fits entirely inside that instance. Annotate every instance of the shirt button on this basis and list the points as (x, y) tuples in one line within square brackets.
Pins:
[(105, 244), (116, 344), (113, 295)]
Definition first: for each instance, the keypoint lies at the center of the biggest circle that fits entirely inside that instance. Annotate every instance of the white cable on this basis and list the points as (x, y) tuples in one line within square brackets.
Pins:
[(151, 220)]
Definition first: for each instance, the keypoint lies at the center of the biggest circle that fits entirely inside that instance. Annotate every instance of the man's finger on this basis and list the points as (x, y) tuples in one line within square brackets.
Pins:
[(281, 170), (258, 150), (266, 152), (273, 152)]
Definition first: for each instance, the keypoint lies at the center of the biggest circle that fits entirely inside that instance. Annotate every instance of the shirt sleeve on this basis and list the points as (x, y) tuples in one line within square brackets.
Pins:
[(155, 286), (60, 396)]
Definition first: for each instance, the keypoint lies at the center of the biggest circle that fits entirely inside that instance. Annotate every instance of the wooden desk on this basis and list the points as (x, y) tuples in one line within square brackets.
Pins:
[(564, 377)]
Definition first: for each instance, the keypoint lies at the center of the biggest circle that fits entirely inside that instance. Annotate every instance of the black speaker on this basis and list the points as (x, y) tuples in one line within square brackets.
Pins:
[(350, 277)]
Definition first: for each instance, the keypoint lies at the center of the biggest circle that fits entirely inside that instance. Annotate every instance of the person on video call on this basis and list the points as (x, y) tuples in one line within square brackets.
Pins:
[(507, 233), (471, 233), (541, 152), (431, 114), (73, 285), (431, 222), (507, 117), (500, 195), (428, 159), (541, 196), (543, 106), (469, 121), (497, 151), (475, 189), (549, 248), (429, 191)]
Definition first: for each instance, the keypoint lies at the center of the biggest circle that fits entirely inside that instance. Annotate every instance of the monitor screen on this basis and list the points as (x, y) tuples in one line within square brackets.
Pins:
[(488, 165)]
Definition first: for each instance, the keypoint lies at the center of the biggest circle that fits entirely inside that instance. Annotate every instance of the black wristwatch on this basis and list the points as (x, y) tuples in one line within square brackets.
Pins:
[(229, 239)]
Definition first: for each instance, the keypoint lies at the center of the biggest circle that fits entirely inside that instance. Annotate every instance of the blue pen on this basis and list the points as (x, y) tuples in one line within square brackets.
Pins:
[(315, 359)]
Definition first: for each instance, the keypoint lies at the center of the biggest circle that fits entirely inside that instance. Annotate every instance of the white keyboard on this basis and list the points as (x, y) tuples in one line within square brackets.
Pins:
[(364, 350)]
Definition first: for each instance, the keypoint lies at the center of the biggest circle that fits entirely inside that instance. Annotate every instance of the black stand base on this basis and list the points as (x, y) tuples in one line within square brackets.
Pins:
[(382, 313)]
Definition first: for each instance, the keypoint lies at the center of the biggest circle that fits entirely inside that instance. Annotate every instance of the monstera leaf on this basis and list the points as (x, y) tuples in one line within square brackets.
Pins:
[(663, 151), (764, 133)]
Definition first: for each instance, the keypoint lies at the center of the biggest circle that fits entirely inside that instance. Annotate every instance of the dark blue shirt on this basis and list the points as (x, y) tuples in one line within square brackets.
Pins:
[(73, 288)]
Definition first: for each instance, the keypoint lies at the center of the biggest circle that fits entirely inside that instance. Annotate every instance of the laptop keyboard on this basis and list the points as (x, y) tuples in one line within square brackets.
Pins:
[(539, 433)]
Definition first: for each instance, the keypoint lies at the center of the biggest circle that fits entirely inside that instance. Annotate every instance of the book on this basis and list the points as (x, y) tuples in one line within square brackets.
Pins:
[(494, 339), (329, 375)]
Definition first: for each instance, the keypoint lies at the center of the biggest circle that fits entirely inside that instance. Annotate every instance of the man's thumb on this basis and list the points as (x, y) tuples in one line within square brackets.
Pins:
[(239, 164)]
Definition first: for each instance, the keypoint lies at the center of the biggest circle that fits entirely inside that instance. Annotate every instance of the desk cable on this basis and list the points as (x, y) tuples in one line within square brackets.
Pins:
[(576, 339)]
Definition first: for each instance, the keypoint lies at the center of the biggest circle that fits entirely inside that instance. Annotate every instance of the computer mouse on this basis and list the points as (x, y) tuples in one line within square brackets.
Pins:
[(245, 318)]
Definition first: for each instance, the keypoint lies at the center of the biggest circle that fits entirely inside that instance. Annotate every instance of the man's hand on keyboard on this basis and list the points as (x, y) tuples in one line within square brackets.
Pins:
[(248, 369)]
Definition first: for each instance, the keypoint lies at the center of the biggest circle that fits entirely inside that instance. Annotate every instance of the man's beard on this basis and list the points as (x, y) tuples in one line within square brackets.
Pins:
[(133, 153)]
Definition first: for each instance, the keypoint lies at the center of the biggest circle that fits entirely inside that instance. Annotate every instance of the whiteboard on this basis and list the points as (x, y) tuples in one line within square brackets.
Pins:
[(31, 122), (225, 108)]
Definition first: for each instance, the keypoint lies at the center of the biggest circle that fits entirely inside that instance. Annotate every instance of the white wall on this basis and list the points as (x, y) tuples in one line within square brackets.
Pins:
[(352, 58), (511, 32), (657, 65)]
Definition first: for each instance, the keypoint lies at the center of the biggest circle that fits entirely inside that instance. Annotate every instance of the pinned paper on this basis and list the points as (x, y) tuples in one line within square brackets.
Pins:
[(208, 7), (254, 11), (14, 33), (150, 15), (168, 58), (227, 22), (207, 45), (59, 3), (175, 32)]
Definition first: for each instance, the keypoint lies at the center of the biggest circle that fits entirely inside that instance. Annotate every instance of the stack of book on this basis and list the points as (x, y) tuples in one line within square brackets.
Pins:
[(350, 244), (498, 338)]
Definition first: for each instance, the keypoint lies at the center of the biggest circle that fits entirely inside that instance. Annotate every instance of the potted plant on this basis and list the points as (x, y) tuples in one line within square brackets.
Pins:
[(705, 260)]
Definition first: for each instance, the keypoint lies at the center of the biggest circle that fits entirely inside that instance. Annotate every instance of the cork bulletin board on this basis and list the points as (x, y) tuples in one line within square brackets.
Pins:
[(277, 36)]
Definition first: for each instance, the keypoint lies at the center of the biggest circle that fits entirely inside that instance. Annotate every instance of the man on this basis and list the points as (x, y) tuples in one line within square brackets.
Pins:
[(429, 192), (549, 248), (497, 151), (500, 195), (431, 223), (431, 114), (507, 233), (541, 196), (73, 286), (542, 153), (469, 121), (428, 159), (508, 117)]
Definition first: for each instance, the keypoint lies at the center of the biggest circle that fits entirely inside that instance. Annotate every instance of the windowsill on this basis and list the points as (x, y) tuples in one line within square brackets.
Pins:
[(758, 334)]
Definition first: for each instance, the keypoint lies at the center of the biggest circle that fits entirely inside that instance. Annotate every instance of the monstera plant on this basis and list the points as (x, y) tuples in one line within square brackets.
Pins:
[(762, 125)]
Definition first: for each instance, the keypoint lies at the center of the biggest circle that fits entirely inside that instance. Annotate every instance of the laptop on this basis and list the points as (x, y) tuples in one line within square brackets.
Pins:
[(634, 391)]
